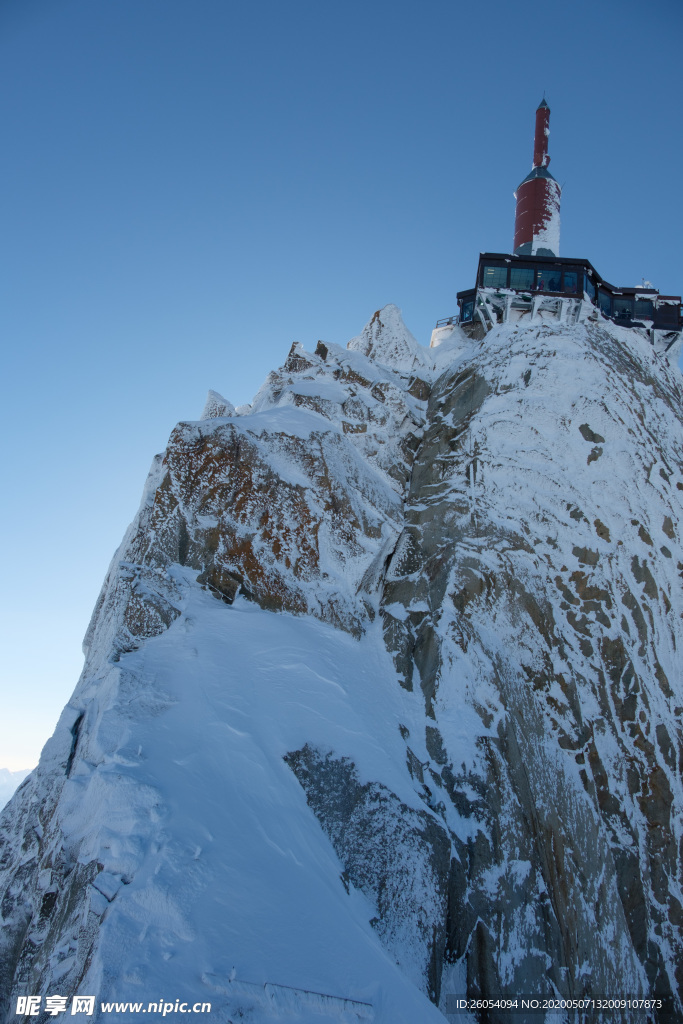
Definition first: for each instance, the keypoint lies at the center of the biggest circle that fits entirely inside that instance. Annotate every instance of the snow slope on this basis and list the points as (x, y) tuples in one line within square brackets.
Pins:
[(183, 800)]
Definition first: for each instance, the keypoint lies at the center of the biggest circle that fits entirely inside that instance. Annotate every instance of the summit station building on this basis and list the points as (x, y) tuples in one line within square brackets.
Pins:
[(534, 281)]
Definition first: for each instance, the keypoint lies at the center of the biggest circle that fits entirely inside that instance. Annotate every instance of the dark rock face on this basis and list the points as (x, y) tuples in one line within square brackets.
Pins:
[(47, 905), (398, 857), (504, 610)]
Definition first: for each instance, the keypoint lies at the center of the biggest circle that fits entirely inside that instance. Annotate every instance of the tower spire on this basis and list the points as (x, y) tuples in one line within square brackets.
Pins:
[(541, 158), (537, 214)]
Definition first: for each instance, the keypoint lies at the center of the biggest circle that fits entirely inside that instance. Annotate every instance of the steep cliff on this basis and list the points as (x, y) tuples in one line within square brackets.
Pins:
[(381, 701)]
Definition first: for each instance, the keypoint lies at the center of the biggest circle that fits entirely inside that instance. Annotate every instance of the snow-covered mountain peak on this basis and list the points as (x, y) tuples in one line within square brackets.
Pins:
[(386, 340), (390, 655), (216, 406)]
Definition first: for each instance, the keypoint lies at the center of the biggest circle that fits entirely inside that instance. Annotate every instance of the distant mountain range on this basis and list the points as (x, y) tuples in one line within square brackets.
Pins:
[(9, 782)]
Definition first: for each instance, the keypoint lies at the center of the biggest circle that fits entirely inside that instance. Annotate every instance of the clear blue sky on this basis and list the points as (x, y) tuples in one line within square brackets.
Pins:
[(190, 185)]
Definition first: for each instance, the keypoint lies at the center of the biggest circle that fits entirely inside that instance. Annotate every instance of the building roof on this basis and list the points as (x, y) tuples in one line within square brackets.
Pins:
[(538, 172)]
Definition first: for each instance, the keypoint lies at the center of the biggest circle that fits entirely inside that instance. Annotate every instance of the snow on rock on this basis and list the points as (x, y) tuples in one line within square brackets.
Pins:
[(449, 764), (540, 533), (216, 406), (387, 340)]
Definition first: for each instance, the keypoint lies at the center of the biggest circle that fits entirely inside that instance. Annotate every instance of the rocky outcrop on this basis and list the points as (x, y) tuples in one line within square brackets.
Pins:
[(398, 857), (385, 339), (293, 520), (523, 588), (216, 407)]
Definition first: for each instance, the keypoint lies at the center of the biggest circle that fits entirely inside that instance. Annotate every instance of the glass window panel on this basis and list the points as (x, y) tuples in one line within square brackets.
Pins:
[(571, 282), (622, 307), (589, 286), (644, 308), (548, 280), (467, 310), (495, 277), (605, 303), (522, 278)]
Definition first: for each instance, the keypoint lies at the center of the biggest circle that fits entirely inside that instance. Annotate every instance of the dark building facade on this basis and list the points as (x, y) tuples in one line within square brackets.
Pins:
[(524, 284)]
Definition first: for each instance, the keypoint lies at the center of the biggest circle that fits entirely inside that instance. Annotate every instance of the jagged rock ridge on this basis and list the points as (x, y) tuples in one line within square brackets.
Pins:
[(493, 753)]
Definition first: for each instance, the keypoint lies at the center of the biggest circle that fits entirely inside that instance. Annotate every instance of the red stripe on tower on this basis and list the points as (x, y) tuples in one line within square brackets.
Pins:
[(537, 215)]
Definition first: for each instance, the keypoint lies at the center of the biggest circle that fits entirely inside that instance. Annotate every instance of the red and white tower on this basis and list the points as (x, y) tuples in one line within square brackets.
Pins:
[(537, 216)]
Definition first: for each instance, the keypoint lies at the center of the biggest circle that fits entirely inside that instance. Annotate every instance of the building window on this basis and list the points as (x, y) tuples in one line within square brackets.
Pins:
[(495, 277), (522, 278), (589, 287), (552, 279), (605, 303), (644, 309), (571, 283), (623, 307), (467, 311), (548, 280)]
